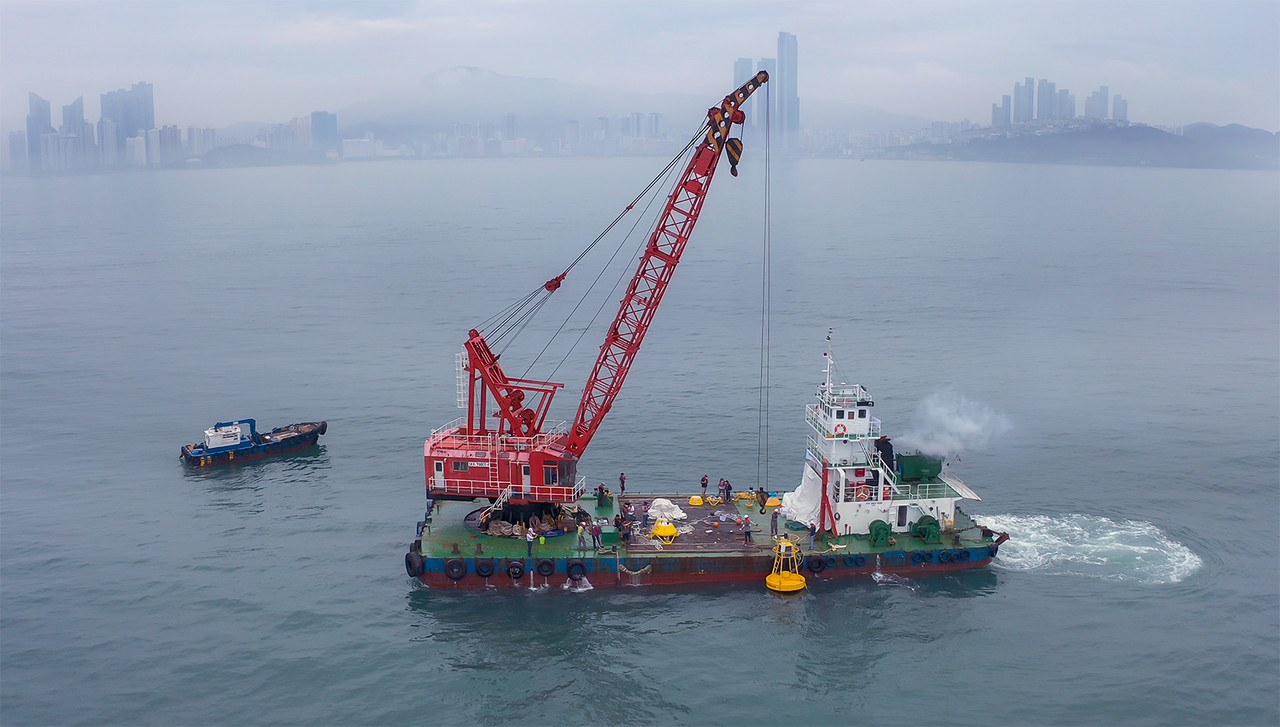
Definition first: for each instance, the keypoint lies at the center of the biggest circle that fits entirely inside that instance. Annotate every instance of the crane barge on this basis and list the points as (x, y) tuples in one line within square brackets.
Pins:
[(527, 511)]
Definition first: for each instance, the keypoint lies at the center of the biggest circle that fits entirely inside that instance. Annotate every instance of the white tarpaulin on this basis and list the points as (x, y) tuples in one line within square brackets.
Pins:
[(664, 508), (805, 502)]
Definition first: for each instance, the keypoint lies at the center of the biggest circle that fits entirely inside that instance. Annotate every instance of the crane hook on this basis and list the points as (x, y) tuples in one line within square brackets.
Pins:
[(734, 147)]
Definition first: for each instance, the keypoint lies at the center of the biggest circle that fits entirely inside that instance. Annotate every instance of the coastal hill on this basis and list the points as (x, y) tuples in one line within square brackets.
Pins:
[(1199, 146), (541, 107)]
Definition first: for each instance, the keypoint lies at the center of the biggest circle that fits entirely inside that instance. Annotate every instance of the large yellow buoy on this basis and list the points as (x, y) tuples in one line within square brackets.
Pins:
[(665, 532), (785, 577)]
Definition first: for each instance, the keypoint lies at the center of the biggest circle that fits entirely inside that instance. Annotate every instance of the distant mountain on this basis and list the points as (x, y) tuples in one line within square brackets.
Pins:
[(1201, 146), (542, 106)]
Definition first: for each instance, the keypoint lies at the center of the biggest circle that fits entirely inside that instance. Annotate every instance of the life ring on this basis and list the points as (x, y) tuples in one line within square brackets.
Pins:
[(862, 492), (944, 556), (515, 569), (850, 561), (484, 568), (577, 569), (413, 564), (859, 561), (817, 563), (917, 557), (965, 555), (455, 568), (841, 430), (545, 567)]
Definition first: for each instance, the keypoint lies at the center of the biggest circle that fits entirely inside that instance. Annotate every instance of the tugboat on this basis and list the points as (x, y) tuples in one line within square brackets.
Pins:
[(503, 483), (239, 440)]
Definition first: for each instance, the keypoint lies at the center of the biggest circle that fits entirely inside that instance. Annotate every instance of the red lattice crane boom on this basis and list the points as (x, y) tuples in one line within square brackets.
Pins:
[(513, 460), (657, 265)]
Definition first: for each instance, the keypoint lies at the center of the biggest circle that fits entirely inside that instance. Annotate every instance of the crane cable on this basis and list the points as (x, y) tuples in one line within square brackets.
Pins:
[(510, 321), (624, 273), (762, 431)]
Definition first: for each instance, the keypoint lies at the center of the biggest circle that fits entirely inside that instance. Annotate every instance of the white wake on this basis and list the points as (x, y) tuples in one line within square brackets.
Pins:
[(1092, 546)]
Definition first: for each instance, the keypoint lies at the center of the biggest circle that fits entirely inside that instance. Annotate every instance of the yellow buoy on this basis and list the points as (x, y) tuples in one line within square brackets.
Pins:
[(785, 577), (665, 531)]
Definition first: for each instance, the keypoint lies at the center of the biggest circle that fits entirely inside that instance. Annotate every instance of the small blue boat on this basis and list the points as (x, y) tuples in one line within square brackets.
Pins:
[(240, 440)]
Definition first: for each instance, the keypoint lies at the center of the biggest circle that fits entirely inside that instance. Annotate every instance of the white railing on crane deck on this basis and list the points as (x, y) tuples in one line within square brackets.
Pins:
[(539, 493), (491, 442)]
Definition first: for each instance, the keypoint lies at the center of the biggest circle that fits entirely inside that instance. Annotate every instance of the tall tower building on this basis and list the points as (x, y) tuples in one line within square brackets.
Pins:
[(1097, 105), (1002, 114), (324, 131), (133, 111), (73, 113), (1023, 100), (1046, 100), (75, 145), (767, 107), (788, 92), (1120, 109), (1066, 104), (39, 123)]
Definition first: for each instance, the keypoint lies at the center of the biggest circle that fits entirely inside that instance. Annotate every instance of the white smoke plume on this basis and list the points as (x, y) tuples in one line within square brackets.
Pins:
[(948, 424)]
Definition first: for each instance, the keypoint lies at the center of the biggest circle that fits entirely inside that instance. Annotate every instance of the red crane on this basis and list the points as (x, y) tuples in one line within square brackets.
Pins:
[(515, 460)]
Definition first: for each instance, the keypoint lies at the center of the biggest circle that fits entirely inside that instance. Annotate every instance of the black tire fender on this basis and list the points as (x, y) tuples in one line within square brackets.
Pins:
[(577, 569), (455, 568), (413, 564), (515, 569), (484, 568), (816, 563), (545, 567)]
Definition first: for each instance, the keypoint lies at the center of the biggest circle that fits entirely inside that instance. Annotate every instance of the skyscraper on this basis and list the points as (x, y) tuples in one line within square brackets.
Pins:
[(1066, 104), (1001, 115), (1046, 100), (1023, 100), (788, 92), (39, 122), (1096, 106), (1120, 109), (767, 106), (132, 111), (73, 113)]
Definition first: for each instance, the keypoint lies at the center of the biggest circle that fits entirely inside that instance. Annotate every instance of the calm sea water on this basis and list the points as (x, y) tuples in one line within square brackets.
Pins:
[(1115, 331)]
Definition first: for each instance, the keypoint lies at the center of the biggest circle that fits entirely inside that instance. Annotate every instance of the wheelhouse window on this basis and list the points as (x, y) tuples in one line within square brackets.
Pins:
[(460, 467)]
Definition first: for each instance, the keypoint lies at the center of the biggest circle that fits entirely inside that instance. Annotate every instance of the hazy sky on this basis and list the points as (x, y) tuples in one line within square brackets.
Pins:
[(216, 63)]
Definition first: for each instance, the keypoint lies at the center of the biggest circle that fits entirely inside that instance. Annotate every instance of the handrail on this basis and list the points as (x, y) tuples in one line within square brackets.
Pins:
[(540, 493), (491, 441)]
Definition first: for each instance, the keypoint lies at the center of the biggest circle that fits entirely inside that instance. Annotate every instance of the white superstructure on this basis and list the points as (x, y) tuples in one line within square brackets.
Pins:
[(852, 477)]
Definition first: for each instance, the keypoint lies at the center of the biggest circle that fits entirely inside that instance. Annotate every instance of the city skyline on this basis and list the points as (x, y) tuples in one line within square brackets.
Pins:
[(229, 62)]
